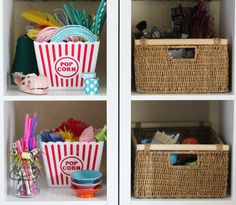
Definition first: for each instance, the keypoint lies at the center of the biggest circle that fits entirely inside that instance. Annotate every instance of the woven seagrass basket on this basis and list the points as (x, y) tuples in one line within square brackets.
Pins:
[(156, 177), (157, 72)]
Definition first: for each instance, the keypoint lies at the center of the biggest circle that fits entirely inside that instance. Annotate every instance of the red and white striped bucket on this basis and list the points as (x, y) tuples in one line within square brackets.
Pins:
[(63, 63), (62, 158)]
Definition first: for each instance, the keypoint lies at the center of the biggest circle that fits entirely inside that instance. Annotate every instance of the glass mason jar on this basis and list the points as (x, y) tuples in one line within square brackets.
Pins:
[(26, 181)]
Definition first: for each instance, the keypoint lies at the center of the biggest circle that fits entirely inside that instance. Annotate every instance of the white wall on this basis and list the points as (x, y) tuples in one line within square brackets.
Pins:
[(157, 13), (164, 111)]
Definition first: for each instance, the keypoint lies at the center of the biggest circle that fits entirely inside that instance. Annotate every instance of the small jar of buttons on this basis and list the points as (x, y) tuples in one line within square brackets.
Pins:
[(91, 83)]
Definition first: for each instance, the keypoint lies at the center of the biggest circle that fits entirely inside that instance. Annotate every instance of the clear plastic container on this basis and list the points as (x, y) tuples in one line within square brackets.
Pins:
[(26, 183)]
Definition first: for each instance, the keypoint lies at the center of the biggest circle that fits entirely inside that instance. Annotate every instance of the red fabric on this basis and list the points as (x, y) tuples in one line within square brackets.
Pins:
[(74, 126)]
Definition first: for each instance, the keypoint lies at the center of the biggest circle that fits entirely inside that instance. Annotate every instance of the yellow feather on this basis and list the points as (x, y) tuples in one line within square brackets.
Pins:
[(33, 33), (40, 18)]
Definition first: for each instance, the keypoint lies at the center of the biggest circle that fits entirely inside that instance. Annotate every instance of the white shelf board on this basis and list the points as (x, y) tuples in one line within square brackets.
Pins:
[(219, 201), (175, 97), (12, 94), (57, 196)]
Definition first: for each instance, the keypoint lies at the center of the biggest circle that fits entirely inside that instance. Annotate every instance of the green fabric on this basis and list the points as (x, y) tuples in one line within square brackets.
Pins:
[(25, 59)]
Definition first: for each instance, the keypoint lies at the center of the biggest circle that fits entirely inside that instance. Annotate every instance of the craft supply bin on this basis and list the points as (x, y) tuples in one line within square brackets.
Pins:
[(61, 159), (64, 63), (157, 72), (156, 177)]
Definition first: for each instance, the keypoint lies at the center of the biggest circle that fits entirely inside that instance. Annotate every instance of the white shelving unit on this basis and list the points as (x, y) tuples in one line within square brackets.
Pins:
[(218, 109), (118, 113), (53, 95), (99, 109)]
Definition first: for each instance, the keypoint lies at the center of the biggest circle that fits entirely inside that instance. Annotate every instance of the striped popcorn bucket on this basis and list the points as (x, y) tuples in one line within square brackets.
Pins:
[(63, 63), (62, 158)]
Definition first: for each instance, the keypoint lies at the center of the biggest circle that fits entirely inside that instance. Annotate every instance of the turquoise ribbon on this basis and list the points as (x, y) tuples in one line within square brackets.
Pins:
[(73, 30)]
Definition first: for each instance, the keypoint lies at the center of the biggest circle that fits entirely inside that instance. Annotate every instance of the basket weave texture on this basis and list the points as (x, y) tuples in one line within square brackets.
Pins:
[(207, 72), (156, 177)]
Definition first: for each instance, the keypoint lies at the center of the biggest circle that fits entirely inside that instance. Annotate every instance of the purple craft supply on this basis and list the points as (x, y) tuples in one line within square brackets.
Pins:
[(34, 125), (30, 26), (56, 138), (30, 144), (49, 136), (45, 137)]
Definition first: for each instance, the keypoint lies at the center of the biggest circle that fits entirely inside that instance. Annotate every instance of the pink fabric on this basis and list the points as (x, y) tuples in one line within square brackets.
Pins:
[(87, 135), (46, 34)]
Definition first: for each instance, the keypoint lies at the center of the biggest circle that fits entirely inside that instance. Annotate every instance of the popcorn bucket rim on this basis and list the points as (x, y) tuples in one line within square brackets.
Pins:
[(75, 142), (64, 43)]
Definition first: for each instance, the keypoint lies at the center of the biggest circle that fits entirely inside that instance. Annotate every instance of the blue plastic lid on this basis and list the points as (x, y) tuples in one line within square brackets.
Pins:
[(89, 75)]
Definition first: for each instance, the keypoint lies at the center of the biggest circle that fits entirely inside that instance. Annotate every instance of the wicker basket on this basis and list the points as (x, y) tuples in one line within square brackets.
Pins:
[(156, 72), (156, 177)]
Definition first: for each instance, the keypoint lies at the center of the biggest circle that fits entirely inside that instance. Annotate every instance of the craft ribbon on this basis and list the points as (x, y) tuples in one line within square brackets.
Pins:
[(74, 30)]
